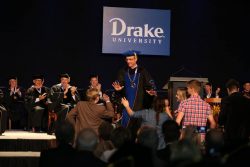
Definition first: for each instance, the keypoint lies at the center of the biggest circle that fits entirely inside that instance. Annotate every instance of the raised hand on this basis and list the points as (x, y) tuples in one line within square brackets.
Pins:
[(105, 97), (125, 102), (217, 92), (117, 86)]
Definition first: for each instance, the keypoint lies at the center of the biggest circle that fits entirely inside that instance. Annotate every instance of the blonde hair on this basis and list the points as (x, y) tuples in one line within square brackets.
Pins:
[(182, 93), (92, 94)]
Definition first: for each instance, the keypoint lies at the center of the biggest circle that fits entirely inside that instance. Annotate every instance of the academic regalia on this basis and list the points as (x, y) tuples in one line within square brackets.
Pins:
[(135, 83), (37, 110), (15, 103), (3, 114), (63, 104)]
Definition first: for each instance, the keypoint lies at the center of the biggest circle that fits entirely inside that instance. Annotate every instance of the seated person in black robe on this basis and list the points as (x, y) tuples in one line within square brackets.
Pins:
[(3, 114), (64, 97), (14, 100), (37, 101)]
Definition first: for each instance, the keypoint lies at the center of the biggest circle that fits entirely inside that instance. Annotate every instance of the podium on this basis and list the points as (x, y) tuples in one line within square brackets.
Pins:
[(179, 82), (215, 104)]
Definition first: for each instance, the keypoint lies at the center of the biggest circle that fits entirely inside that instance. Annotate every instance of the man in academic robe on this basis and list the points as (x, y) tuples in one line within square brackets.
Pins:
[(94, 83), (37, 101), (3, 114), (208, 91), (64, 97), (14, 100), (136, 84), (246, 89)]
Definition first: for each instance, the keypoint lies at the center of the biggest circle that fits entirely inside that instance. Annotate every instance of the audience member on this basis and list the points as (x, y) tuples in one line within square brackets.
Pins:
[(171, 132), (88, 114), (64, 154), (86, 143), (194, 111), (104, 131), (151, 117), (235, 116)]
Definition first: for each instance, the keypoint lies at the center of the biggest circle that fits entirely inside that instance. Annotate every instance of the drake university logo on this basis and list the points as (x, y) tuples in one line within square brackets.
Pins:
[(146, 30)]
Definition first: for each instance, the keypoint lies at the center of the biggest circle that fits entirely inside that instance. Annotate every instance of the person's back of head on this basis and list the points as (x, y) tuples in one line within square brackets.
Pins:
[(159, 106), (214, 142), (92, 94), (87, 140), (195, 84), (64, 132), (190, 133), (232, 86), (171, 131), (148, 137), (185, 151), (105, 130), (120, 136), (159, 103)]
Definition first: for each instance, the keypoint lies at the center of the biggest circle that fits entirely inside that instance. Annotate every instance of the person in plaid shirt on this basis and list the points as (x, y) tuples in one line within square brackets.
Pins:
[(194, 111)]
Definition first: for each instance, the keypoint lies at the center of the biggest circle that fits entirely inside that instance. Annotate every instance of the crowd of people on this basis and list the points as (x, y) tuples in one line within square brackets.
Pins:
[(149, 133)]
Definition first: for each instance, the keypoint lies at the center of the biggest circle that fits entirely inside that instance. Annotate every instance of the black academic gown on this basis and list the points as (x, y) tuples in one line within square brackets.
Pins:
[(15, 105), (3, 114), (143, 99), (62, 104), (37, 111)]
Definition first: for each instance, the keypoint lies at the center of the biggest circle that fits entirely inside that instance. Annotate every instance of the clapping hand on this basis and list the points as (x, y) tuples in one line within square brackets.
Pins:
[(73, 90), (43, 96), (217, 91), (105, 97)]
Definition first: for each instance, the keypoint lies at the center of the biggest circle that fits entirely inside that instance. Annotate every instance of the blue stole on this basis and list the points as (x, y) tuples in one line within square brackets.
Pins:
[(131, 93)]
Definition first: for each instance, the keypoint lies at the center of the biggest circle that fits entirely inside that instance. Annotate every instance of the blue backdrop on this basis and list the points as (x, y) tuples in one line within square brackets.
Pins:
[(145, 30)]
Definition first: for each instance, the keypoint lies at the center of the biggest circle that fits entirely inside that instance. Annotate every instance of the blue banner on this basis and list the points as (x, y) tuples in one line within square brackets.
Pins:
[(145, 30)]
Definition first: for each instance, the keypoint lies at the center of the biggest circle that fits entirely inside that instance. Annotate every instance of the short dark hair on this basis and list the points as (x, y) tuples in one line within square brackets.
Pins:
[(209, 84), (120, 136), (171, 131), (232, 84), (64, 132), (93, 76), (87, 139), (64, 75), (105, 130), (38, 76), (12, 77)]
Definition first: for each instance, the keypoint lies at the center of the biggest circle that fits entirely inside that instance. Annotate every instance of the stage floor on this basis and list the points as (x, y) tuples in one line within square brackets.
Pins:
[(15, 134)]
